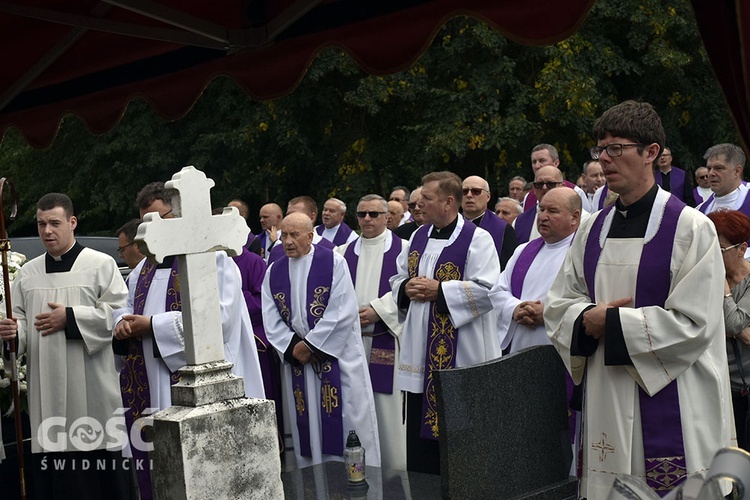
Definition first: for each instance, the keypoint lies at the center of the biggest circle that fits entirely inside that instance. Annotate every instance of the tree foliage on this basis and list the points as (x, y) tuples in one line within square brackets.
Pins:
[(474, 103)]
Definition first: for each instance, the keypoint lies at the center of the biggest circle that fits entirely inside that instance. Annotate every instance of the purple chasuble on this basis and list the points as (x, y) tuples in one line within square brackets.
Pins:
[(319, 283), (341, 235), (661, 423), (676, 181), (136, 396), (383, 352), (442, 337), (524, 223), (496, 227)]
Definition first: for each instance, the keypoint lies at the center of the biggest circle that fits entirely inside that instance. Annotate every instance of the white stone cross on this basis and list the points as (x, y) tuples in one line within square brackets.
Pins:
[(194, 235)]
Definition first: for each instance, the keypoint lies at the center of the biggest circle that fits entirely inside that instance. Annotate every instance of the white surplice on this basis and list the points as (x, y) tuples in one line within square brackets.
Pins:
[(336, 334), (391, 426), (537, 282), (237, 331), (468, 304), (682, 341), (70, 378)]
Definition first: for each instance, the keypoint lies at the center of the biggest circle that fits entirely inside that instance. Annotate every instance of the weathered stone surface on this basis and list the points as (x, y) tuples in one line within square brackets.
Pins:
[(505, 432), (223, 450), (207, 383)]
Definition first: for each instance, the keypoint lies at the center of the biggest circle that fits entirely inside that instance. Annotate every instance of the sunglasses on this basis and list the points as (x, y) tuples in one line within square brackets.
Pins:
[(703, 176), (373, 215), (120, 249), (474, 191), (550, 185), (412, 205)]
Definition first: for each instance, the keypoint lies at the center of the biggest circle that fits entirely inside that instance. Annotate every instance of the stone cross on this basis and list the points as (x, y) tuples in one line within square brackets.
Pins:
[(194, 235)]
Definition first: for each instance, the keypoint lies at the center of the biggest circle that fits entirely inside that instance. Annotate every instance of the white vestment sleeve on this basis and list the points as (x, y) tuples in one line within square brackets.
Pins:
[(504, 302), (277, 331), (468, 299), (566, 300), (386, 308), (95, 322), (19, 313), (342, 313)]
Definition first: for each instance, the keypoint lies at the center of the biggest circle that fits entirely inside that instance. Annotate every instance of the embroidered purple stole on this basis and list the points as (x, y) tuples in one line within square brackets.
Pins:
[(676, 181), (496, 227), (663, 444), (524, 223), (136, 396), (442, 337), (341, 235), (319, 283), (383, 353)]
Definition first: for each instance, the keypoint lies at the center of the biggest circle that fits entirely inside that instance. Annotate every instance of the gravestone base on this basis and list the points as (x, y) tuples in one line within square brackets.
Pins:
[(215, 443)]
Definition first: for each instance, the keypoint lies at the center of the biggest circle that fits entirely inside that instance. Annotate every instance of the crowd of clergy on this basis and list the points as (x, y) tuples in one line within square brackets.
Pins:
[(343, 328)]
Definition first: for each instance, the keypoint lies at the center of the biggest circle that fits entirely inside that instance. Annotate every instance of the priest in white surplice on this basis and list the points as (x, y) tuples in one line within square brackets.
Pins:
[(444, 277), (636, 314), (310, 314), (519, 293), (372, 262), (149, 330), (62, 308)]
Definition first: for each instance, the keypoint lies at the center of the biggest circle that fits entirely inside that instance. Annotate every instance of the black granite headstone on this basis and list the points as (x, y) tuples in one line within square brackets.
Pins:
[(504, 430)]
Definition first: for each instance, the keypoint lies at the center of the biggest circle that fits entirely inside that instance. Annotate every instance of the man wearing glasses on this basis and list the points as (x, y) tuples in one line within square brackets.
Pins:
[(148, 330), (547, 178), (673, 179), (404, 231), (703, 186), (476, 197), (372, 261), (444, 277), (636, 315), (128, 249), (544, 155)]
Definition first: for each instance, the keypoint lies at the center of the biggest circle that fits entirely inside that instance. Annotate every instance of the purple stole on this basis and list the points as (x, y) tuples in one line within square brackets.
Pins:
[(603, 196), (442, 337), (383, 352), (319, 283), (136, 396), (676, 181), (663, 445), (496, 227), (528, 254), (341, 235), (744, 208), (524, 223), (697, 197)]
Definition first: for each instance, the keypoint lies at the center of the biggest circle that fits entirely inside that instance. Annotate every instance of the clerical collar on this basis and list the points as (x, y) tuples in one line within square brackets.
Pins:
[(444, 233), (478, 220), (65, 262), (639, 207)]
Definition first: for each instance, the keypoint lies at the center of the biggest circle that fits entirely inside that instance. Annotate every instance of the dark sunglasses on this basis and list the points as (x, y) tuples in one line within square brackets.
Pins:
[(550, 185), (474, 191), (412, 205), (373, 215)]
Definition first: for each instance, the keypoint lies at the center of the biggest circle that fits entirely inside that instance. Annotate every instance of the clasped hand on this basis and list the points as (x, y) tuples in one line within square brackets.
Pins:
[(422, 289)]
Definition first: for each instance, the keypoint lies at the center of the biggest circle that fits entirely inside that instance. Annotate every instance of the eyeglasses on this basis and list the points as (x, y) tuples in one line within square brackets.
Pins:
[(474, 191), (724, 249), (373, 215), (412, 205), (550, 185), (703, 176), (122, 249), (140, 221), (613, 150)]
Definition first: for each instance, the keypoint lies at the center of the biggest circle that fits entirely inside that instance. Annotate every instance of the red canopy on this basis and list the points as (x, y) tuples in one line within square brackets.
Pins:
[(90, 58)]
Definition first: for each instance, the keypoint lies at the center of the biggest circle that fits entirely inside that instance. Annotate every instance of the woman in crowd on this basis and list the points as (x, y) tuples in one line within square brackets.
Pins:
[(733, 228)]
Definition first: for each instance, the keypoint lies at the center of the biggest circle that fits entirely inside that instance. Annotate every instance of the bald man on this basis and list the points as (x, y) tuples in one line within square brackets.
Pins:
[(476, 197), (324, 364), (270, 219)]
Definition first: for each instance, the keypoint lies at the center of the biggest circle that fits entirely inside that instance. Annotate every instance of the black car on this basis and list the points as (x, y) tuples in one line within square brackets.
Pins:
[(32, 246)]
